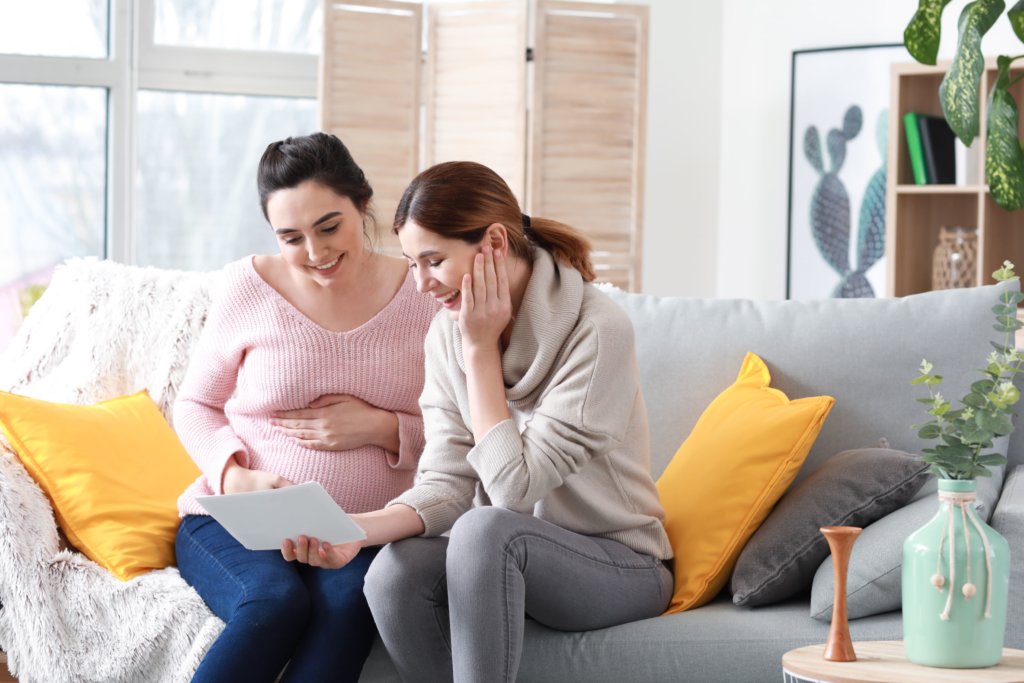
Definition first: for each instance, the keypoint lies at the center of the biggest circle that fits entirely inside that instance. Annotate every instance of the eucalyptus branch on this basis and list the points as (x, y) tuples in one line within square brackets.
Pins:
[(986, 412)]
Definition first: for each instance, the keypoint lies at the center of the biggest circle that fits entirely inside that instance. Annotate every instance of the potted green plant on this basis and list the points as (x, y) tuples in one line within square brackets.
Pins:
[(956, 568), (959, 91)]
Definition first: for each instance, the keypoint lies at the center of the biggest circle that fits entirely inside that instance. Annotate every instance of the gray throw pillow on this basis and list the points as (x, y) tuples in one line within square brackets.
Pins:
[(853, 488), (874, 577)]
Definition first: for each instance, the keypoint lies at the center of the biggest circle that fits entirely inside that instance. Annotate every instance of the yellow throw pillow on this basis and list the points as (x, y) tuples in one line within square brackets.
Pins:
[(113, 471), (742, 454)]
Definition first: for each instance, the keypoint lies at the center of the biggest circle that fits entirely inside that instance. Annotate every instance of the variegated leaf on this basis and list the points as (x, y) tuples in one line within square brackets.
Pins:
[(1016, 16), (959, 90), (922, 34), (1004, 162)]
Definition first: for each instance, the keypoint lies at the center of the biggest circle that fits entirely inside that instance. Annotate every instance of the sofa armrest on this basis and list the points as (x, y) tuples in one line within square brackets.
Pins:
[(1008, 519)]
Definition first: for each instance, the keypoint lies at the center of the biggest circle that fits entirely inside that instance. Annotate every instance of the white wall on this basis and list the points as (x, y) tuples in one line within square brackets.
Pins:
[(682, 169), (757, 41)]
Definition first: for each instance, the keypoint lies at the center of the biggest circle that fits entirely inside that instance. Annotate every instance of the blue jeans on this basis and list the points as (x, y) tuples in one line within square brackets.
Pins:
[(275, 611)]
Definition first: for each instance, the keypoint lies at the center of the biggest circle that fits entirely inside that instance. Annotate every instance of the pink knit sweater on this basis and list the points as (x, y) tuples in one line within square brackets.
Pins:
[(258, 354)]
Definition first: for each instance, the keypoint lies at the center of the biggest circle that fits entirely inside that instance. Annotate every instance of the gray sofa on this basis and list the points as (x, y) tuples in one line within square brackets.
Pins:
[(862, 352)]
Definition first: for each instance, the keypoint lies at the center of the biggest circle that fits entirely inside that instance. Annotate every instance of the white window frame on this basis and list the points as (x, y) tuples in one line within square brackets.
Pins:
[(135, 62)]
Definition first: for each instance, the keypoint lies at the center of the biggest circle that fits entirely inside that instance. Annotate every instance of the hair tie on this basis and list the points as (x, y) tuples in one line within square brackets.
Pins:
[(526, 224)]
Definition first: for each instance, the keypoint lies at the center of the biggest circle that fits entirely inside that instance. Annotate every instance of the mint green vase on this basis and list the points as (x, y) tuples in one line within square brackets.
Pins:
[(954, 613)]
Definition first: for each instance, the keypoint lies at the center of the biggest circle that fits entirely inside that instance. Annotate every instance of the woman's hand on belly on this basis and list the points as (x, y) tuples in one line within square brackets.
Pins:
[(319, 554), (238, 479), (340, 422)]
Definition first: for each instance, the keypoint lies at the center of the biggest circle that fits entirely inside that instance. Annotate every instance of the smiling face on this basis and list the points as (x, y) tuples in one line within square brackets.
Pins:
[(438, 263), (319, 233)]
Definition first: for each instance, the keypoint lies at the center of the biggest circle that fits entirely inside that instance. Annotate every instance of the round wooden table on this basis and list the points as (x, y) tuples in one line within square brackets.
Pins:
[(883, 661)]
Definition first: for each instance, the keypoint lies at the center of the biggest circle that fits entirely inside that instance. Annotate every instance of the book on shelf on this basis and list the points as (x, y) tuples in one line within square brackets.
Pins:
[(914, 149), (938, 149), (968, 163)]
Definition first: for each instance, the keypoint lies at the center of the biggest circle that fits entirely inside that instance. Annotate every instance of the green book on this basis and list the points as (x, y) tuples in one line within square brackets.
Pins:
[(913, 134)]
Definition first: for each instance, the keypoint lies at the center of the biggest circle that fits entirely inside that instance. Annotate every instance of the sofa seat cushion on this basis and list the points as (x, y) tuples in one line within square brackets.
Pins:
[(716, 642)]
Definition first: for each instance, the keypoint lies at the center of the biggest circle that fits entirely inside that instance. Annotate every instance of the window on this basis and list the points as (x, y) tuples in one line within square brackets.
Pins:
[(199, 212), (151, 159), (52, 203), (56, 28), (276, 26)]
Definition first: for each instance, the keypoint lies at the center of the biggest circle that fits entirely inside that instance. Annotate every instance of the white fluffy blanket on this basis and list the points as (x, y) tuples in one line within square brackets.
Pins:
[(100, 330)]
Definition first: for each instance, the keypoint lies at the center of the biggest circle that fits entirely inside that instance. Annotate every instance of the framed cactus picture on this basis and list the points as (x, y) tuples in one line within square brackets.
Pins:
[(839, 125)]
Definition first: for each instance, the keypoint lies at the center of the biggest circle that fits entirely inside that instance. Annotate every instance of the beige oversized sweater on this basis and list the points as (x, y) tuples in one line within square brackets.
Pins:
[(576, 449)]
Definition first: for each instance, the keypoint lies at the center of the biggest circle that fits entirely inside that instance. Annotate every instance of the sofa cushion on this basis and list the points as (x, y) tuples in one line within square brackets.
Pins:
[(718, 643), (873, 579), (113, 471), (864, 352), (1008, 519), (854, 488), (739, 459)]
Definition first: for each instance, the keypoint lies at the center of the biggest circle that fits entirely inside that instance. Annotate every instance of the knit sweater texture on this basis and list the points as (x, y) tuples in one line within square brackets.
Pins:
[(259, 354), (576, 451)]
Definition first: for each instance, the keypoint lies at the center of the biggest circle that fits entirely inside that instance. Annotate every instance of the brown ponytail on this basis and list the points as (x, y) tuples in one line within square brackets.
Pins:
[(564, 242), (460, 199)]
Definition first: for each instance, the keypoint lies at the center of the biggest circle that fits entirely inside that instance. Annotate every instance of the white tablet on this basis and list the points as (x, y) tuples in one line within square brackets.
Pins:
[(261, 520)]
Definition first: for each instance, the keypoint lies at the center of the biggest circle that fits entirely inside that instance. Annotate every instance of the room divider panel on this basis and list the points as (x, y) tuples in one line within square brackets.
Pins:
[(550, 94)]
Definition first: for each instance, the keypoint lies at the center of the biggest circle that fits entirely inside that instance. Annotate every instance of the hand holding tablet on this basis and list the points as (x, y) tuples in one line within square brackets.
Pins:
[(261, 520)]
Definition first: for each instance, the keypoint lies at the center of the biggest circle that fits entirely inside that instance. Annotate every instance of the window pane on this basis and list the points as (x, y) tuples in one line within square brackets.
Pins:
[(274, 25), (52, 185), (196, 206), (56, 28)]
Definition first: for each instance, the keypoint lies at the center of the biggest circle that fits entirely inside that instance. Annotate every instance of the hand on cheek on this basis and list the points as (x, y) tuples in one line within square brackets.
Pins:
[(486, 304)]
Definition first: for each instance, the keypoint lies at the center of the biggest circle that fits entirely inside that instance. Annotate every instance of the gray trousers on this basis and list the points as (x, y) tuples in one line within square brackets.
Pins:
[(453, 609)]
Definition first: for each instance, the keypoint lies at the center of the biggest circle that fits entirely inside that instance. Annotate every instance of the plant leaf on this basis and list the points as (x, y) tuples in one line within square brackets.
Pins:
[(983, 386), (992, 459), (1012, 298), (1004, 161), (929, 431), (1016, 16), (1001, 348), (998, 424), (924, 30), (1005, 309), (974, 400), (959, 90)]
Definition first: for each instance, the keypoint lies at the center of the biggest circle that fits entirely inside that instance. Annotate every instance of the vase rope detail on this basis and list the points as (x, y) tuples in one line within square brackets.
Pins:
[(961, 500)]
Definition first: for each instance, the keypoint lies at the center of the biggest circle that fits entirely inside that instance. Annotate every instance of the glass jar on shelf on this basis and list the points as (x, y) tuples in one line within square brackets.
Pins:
[(955, 259)]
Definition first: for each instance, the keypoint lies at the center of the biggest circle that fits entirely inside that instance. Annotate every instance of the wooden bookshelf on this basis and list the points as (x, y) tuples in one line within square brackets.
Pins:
[(916, 213)]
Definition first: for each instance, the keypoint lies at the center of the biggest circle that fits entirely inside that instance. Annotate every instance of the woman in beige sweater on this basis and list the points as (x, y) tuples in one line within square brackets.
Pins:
[(536, 457)]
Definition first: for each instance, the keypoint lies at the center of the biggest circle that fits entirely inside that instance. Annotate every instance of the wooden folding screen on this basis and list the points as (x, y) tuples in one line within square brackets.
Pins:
[(585, 163), (566, 130), (370, 94), (476, 87)]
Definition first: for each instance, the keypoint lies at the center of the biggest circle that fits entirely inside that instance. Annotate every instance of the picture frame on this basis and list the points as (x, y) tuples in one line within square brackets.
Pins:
[(838, 154)]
